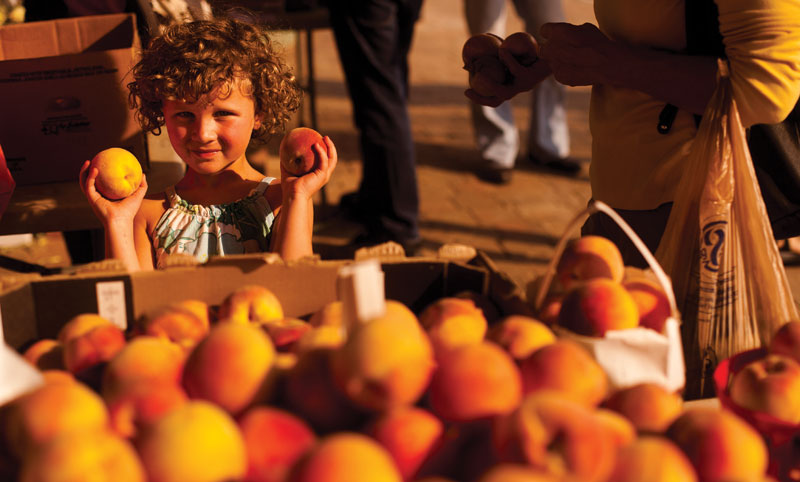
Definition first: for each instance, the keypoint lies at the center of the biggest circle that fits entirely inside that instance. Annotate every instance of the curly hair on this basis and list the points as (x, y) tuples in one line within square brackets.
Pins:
[(189, 60)]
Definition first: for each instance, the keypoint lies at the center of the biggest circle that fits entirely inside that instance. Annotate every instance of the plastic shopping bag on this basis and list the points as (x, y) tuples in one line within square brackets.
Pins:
[(718, 248)]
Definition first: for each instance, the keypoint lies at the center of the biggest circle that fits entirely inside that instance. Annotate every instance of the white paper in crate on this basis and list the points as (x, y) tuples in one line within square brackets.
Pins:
[(635, 355)]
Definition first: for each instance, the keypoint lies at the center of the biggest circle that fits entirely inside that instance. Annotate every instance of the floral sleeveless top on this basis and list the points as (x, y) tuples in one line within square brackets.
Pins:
[(243, 226)]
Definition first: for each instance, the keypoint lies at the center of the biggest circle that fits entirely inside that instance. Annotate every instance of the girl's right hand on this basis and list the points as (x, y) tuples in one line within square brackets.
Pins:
[(108, 211)]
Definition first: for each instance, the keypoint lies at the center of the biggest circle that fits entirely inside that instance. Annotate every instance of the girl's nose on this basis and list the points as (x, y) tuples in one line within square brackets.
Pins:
[(204, 129)]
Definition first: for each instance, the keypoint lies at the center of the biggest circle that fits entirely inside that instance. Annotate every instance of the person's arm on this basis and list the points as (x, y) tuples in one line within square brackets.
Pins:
[(295, 221), (583, 55), (7, 183), (117, 218)]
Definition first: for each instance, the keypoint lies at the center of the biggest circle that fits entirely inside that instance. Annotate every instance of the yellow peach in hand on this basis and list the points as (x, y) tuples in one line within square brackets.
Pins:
[(119, 173)]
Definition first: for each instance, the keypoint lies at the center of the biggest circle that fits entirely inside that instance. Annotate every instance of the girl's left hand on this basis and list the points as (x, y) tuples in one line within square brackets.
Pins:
[(308, 184)]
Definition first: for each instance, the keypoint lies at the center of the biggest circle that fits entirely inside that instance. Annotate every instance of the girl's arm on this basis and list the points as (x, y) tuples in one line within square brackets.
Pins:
[(117, 218), (295, 222)]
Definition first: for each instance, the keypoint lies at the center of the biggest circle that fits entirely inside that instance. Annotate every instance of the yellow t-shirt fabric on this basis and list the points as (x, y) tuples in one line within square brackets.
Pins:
[(633, 165)]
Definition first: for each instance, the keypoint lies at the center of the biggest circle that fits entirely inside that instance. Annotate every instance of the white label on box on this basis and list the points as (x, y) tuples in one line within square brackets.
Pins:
[(111, 302)]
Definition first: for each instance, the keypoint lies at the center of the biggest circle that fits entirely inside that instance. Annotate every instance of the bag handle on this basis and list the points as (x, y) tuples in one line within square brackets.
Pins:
[(593, 207)]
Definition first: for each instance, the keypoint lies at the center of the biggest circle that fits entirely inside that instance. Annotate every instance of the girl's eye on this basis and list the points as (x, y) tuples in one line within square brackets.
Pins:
[(184, 115), (223, 113)]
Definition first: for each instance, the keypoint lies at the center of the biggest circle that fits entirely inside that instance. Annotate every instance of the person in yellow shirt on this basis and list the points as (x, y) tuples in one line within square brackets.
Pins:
[(635, 60)]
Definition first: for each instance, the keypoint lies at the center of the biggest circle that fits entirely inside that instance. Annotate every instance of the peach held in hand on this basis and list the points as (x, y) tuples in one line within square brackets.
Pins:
[(119, 173), (480, 56), (522, 46), (297, 152)]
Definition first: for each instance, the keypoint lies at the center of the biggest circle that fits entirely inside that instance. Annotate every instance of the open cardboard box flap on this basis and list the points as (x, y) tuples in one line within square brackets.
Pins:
[(38, 308)]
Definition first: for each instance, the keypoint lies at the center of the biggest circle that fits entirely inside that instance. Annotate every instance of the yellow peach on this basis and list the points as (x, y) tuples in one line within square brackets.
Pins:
[(250, 303), (568, 368), (120, 173), (143, 359), (196, 441), (346, 457), (475, 381), (230, 366), (385, 362), (275, 440), (185, 323), (520, 335), (516, 473), (97, 345), (452, 321), (653, 459), (79, 324), (651, 302), (77, 456), (138, 406), (45, 354), (410, 434), (649, 406), (596, 306), (720, 445), (589, 257)]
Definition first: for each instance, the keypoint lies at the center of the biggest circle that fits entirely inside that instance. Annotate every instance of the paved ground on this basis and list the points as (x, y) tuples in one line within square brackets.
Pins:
[(517, 225)]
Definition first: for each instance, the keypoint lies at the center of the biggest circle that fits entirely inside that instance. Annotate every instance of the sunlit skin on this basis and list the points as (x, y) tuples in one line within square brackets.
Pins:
[(211, 136)]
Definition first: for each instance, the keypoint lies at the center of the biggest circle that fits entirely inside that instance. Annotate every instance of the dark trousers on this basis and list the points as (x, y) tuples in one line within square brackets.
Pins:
[(373, 38)]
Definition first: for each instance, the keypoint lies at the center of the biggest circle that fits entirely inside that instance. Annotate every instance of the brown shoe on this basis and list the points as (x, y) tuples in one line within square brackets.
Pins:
[(566, 165), (495, 175)]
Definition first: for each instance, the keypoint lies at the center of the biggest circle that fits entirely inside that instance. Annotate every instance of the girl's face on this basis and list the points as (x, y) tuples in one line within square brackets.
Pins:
[(213, 133)]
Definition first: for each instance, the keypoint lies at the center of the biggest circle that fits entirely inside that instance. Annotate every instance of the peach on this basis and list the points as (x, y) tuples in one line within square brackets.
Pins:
[(654, 459), (484, 303), (410, 434), (119, 173), (651, 302), (596, 306), (83, 455), (321, 336), (486, 70), (286, 333), (479, 45), (250, 303), (184, 322), (557, 435), (522, 46), (621, 429), (520, 335), (720, 445), (296, 151), (196, 441), (589, 257), (143, 359), (45, 354), (550, 309), (51, 410), (98, 345), (385, 362), (649, 406), (80, 324), (57, 376), (346, 457), (568, 368), (311, 393), (136, 407), (770, 385), (275, 440), (330, 314), (516, 473), (452, 321), (475, 381), (786, 340), (230, 366)]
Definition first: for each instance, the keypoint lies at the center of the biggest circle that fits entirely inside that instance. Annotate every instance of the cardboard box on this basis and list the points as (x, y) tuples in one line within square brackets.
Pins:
[(64, 95), (36, 308)]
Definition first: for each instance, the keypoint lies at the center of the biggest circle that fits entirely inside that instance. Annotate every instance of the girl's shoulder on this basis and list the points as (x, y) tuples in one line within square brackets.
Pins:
[(153, 206), (273, 194)]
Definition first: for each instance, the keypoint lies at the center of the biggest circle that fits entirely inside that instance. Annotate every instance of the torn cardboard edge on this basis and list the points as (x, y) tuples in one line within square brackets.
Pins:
[(38, 308)]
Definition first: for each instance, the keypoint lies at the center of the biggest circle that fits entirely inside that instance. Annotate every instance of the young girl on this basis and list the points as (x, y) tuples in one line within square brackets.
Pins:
[(214, 84)]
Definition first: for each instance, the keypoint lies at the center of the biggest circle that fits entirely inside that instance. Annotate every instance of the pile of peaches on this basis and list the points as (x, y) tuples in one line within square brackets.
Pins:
[(455, 392)]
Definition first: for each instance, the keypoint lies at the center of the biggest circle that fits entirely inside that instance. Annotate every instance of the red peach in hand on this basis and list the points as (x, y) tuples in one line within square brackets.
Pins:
[(296, 152), (522, 46)]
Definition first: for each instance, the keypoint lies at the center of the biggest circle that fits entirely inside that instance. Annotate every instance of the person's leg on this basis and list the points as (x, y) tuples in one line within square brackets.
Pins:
[(496, 134), (548, 139), (373, 38)]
